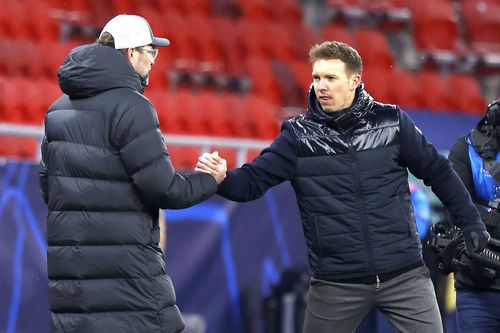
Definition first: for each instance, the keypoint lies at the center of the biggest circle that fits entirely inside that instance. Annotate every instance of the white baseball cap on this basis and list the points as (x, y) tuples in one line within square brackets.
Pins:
[(132, 31)]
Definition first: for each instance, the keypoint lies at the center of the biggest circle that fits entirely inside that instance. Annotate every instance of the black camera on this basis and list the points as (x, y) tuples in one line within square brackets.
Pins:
[(447, 242), (495, 203), (493, 113)]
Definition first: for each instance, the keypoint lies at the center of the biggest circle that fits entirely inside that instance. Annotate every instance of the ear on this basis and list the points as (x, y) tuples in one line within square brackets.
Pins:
[(355, 81), (130, 53)]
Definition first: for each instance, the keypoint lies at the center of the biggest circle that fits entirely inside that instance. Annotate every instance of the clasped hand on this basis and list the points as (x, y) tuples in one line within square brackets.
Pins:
[(212, 164)]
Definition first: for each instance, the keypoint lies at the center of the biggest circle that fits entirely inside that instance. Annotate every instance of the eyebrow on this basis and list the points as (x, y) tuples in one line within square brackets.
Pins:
[(325, 75)]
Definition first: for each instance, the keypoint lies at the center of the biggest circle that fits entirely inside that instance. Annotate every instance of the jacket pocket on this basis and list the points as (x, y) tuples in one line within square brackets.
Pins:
[(317, 235), (405, 216)]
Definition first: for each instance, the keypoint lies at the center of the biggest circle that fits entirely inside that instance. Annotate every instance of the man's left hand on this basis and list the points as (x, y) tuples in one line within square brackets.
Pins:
[(476, 240)]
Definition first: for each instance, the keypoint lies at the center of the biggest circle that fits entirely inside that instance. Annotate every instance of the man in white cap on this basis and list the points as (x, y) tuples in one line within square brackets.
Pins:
[(132, 35), (105, 173)]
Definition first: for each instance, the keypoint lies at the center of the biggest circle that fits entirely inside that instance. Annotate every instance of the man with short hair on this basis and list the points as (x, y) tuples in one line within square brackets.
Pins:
[(347, 159), (105, 173)]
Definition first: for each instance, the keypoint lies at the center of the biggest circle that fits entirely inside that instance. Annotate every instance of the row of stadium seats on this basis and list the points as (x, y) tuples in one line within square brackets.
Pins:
[(227, 48), (426, 89), (446, 33), (255, 48), (25, 100), (221, 115)]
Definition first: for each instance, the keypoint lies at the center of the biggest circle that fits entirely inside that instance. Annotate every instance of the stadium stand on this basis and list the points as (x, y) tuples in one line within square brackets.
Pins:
[(242, 61)]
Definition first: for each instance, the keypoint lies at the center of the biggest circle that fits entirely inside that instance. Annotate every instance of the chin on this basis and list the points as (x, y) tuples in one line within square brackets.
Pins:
[(329, 108)]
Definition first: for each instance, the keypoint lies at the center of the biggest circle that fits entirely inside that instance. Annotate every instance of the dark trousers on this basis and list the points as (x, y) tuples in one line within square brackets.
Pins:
[(408, 301), (478, 311)]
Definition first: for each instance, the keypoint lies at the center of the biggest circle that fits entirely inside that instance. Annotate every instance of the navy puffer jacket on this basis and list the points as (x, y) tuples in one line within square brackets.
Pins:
[(105, 174), (352, 187)]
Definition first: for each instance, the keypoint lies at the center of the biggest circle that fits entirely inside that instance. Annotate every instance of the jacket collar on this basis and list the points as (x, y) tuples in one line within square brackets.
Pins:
[(345, 120)]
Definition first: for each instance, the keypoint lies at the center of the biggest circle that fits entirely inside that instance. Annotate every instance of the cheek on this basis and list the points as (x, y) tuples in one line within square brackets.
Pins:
[(341, 89)]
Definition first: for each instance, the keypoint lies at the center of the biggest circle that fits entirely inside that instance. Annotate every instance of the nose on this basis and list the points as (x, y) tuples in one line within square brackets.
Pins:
[(322, 84)]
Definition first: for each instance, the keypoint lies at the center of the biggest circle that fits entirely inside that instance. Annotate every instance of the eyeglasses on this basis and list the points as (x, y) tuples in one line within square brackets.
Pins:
[(152, 52)]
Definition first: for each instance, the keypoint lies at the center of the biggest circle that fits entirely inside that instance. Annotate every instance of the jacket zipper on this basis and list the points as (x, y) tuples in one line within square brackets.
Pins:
[(361, 207)]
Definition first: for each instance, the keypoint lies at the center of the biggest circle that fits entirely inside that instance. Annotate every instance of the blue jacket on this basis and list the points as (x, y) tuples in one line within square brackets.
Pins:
[(352, 188)]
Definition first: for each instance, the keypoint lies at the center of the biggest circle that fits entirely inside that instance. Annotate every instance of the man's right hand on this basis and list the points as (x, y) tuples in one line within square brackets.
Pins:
[(212, 164)]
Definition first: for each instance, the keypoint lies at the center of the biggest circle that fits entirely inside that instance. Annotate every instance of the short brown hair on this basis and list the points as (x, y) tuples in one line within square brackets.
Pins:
[(337, 50), (107, 39)]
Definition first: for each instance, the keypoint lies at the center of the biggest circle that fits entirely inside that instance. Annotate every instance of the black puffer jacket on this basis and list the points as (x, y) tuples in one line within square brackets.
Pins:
[(105, 174), (352, 188)]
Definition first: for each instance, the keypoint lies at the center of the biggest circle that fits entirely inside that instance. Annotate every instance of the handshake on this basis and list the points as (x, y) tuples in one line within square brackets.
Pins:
[(212, 164)]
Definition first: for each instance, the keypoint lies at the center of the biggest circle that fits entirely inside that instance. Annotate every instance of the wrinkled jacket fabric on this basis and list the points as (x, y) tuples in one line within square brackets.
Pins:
[(351, 186), (105, 174)]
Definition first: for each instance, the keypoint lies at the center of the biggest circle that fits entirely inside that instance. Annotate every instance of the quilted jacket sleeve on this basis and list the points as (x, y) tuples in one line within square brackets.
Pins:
[(145, 157), (424, 161)]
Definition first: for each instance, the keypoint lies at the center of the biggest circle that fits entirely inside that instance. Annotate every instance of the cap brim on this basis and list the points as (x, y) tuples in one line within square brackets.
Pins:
[(160, 41)]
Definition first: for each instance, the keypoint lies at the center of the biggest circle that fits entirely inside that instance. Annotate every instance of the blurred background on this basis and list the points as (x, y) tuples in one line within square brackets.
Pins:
[(234, 71)]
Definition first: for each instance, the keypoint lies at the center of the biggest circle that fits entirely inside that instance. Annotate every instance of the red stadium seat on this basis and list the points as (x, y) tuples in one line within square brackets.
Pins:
[(238, 115), (302, 73), (255, 46), (407, 89), (256, 10), (214, 109), (24, 26), (468, 96), (482, 25), (373, 48), (18, 26), (392, 15), (337, 32), (209, 50), (253, 117), (435, 25), (281, 42), (122, 6), (183, 157), (51, 91), (193, 113), (24, 58), (348, 10), (195, 7), (305, 37), (435, 91), (168, 107), (226, 33), (264, 82), (287, 11), (263, 119), (10, 110), (155, 21), (29, 100), (23, 100), (184, 44), (378, 83), (54, 55)]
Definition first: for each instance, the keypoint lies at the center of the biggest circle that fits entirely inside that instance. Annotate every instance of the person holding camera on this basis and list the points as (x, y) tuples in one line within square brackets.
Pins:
[(475, 158)]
